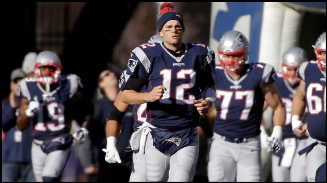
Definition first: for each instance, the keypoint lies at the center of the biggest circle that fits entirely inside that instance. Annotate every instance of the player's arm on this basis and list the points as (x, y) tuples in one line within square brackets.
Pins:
[(113, 126), (298, 108), (273, 99), (23, 121), (115, 117), (130, 94), (265, 106)]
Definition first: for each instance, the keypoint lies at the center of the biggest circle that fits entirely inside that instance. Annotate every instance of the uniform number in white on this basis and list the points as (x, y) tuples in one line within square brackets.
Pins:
[(180, 89), (226, 97), (56, 114), (315, 103)]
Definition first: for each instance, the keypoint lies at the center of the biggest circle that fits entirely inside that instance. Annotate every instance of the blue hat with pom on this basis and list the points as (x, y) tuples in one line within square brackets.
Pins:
[(167, 12)]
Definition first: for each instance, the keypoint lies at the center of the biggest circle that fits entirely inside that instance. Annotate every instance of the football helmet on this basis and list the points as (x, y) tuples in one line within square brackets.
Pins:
[(50, 59), (319, 47), (292, 58), (233, 43), (155, 39)]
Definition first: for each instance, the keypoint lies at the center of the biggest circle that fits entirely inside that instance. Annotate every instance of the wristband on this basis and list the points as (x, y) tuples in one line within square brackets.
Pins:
[(296, 123), (277, 132), (111, 141)]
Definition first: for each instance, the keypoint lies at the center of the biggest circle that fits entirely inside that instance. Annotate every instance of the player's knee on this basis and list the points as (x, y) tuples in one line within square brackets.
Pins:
[(50, 172), (50, 179), (182, 171), (154, 172)]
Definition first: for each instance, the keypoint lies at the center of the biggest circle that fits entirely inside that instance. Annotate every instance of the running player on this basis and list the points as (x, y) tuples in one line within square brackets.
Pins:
[(173, 73), (241, 90), (311, 93), (289, 166), (48, 99)]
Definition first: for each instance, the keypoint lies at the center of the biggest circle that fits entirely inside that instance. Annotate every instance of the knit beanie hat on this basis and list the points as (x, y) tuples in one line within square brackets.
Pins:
[(167, 12)]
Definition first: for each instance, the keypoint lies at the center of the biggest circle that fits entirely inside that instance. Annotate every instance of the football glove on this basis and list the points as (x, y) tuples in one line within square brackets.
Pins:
[(112, 155), (274, 141), (80, 135), (33, 108)]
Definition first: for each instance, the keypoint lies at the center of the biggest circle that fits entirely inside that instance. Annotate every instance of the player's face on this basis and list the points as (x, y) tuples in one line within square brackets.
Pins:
[(232, 63), (172, 32), (323, 56), (289, 75), (291, 71), (47, 71), (322, 60)]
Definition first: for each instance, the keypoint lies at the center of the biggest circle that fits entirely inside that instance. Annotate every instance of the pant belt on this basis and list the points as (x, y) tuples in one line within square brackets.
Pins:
[(233, 140), (310, 147)]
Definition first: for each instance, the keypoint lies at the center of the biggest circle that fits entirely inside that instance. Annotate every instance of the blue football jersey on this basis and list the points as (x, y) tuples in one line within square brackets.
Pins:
[(179, 75), (239, 103), (54, 113), (286, 93), (315, 88)]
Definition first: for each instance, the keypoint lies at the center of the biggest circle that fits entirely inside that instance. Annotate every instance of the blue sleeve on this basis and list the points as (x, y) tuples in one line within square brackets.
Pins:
[(8, 116)]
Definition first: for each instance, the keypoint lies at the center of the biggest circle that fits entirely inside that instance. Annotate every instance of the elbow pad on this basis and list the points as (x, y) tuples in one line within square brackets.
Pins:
[(116, 115)]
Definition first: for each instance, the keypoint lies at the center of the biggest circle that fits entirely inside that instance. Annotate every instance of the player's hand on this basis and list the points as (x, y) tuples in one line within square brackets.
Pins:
[(203, 106), (33, 108), (299, 132), (274, 144), (156, 93), (80, 135), (274, 141), (112, 155)]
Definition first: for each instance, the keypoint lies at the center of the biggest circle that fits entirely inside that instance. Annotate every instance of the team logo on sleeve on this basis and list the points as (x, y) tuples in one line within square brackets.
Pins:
[(132, 64)]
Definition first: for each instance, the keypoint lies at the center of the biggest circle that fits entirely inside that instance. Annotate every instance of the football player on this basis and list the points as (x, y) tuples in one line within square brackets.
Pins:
[(174, 74), (48, 99), (288, 166), (114, 125), (311, 93), (241, 89)]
